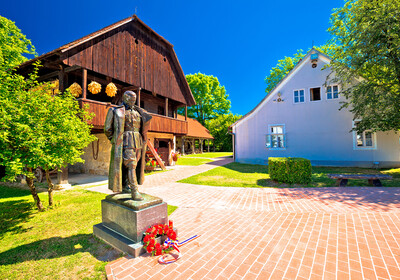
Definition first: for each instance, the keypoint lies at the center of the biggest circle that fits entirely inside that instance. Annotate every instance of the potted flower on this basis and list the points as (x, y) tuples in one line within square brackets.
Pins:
[(175, 156), (151, 164)]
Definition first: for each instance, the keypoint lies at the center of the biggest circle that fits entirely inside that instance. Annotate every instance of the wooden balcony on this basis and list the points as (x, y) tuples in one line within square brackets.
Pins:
[(100, 110), (158, 123), (168, 125)]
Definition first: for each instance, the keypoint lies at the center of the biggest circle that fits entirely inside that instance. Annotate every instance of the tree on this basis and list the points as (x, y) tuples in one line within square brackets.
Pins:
[(367, 61), (13, 44), (218, 128), (211, 98), (37, 128), (286, 64)]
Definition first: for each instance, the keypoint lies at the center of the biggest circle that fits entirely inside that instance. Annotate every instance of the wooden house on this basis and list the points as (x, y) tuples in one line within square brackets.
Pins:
[(195, 140), (133, 57)]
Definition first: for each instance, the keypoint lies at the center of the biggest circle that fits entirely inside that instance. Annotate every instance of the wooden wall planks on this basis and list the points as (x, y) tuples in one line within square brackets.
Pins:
[(133, 56)]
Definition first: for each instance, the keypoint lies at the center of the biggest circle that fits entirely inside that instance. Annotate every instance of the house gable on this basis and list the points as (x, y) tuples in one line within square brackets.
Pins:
[(128, 51), (273, 93)]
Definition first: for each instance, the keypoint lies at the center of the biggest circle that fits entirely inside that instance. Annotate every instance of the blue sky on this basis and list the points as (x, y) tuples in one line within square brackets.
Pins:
[(236, 41)]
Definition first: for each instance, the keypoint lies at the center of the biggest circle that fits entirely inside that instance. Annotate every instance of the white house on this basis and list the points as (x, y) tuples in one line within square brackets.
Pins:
[(300, 117)]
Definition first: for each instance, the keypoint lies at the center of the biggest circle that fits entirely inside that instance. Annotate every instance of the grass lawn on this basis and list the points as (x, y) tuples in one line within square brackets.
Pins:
[(199, 159), (210, 155), (256, 176), (192, 161), (55, 244)]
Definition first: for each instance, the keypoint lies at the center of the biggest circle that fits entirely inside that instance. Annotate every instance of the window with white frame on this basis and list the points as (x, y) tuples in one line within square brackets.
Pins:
[(298, 96), (363, 140), (276, 138), (332, 92)]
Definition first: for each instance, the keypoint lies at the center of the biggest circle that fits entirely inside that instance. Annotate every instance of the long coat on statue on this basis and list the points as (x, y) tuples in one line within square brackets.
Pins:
[(114, 130)]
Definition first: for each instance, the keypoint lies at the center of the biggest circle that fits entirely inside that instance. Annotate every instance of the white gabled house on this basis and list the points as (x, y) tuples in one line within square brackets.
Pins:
[(300, 117)]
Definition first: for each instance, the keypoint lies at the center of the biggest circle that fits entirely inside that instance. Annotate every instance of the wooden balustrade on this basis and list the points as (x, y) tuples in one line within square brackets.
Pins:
[(100, 110), (158, 123), (168, 125)]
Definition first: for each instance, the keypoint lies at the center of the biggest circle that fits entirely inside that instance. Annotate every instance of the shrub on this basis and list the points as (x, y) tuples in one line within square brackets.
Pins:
[(290, 170)]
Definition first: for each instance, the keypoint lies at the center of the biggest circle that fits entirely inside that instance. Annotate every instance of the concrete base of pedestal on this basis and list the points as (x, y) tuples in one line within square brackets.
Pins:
[(123, 227), (118, 241)]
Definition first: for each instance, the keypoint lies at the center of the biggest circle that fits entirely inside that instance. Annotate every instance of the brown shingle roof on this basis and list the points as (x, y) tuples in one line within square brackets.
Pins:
[(196, 129)]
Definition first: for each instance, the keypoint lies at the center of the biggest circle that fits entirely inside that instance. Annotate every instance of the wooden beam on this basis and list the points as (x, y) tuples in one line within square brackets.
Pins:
[(52, 65), (130, 88), (72, 68), (138, 97), (166, 106), (155, 154), (61, 80), (185, 113), (84, 83)]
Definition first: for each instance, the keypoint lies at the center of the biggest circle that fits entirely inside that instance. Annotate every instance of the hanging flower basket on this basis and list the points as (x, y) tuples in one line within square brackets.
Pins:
[(94, 87), (75, 89), (111, 89)]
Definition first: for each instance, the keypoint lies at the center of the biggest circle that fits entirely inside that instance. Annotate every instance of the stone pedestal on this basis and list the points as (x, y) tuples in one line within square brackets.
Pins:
[(124, 221)]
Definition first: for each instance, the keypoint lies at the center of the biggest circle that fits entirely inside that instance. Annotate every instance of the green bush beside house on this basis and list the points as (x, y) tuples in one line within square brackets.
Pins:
[(290, 170)]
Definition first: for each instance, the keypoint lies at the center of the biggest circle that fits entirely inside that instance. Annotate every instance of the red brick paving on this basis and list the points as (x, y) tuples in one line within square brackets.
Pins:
[(312, 233)]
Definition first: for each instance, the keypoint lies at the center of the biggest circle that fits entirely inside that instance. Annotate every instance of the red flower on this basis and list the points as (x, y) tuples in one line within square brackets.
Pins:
[(171, 224), (150, 249), (149, 242), (158, 252), (173, 235)]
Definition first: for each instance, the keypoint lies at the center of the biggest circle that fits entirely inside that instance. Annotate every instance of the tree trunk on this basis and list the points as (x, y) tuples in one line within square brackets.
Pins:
[(50, 187), (29, 182)]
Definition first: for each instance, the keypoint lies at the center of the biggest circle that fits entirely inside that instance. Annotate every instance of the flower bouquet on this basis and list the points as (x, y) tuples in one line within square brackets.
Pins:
[(150, 243)]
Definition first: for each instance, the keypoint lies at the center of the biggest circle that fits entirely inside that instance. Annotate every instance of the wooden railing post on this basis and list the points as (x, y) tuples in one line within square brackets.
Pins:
[(61, 80), (166, 106), (84, 83), (185, 113), (138, 97)]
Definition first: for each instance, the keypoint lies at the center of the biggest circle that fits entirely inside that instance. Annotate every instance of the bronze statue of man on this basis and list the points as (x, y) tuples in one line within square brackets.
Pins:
[(126, 127)]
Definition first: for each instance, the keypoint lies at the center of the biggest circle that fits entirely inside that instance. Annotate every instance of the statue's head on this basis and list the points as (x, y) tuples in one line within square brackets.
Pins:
[(129, 98)]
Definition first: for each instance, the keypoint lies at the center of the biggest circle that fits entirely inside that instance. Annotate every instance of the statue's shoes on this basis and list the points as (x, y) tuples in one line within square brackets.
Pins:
[(136, 196)]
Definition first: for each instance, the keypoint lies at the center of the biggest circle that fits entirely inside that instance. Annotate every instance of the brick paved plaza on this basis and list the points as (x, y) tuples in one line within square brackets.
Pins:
[(246, 233)]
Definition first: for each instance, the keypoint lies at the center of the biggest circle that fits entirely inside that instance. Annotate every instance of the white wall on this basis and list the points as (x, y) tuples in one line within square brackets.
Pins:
[(315, 130)]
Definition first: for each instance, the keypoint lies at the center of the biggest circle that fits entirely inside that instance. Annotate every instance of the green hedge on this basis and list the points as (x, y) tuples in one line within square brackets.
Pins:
[(290, 170)]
